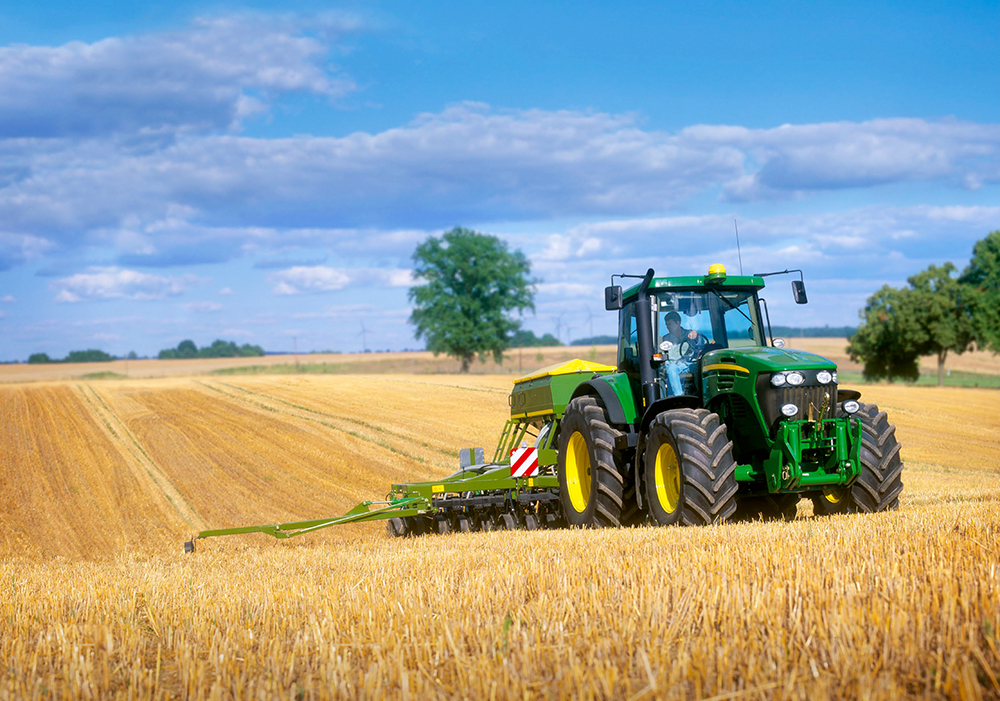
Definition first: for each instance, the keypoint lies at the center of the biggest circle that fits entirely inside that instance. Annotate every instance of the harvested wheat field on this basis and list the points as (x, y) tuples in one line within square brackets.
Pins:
[(101, 482)]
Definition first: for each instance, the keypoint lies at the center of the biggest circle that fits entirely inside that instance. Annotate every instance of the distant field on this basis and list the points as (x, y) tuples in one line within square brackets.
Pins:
[(421, 362), (101, 481)]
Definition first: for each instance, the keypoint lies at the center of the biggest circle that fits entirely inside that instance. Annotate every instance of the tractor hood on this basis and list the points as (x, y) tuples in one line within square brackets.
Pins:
[(766, 359)]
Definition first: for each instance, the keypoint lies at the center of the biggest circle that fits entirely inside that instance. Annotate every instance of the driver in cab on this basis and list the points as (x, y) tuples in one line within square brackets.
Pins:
[(683, 347)]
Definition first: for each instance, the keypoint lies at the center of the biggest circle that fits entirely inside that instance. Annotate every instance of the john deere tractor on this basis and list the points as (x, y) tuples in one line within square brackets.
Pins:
[(706, 418)]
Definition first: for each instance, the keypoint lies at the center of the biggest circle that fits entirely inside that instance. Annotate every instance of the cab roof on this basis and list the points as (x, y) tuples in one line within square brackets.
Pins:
[(694, 282)]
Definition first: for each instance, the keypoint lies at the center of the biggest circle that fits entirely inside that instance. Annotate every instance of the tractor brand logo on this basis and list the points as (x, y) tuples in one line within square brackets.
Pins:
[(524, 462)]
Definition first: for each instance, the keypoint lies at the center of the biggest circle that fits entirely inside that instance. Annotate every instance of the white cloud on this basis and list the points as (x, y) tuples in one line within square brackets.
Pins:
[(836, 155), (384, 191), (211, 75), (106, 337), (115, 283), (7, 298), (302, 279), (321, 278), (226, 291)]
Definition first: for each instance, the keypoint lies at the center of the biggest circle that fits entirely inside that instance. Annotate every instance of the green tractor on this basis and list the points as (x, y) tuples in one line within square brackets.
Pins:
[(706, 418)]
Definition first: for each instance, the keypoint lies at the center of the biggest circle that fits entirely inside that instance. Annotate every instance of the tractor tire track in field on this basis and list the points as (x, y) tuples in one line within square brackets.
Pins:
[(267, 403), (146, 470)]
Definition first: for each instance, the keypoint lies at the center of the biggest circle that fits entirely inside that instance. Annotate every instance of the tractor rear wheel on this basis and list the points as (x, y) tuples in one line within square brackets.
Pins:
[(878, 486), (591, 479), (690, 474)]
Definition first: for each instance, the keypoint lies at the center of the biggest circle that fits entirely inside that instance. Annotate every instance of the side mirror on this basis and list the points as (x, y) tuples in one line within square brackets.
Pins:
[(799, 292), (613, 298)]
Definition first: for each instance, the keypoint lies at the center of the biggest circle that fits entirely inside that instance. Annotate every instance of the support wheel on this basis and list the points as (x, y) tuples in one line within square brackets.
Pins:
[(397, 527), (530, 522), (690, 474), (880, 483), (442, 525), (462, 524), (591, 480), (506, 522)]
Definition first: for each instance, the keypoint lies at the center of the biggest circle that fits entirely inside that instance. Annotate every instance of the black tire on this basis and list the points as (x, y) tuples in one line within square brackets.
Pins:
[(591, 479), (695, 484), (462, 524), (397, 527), (506, 522), (530, 522), (442, 525), (773, 507), (880, 483)]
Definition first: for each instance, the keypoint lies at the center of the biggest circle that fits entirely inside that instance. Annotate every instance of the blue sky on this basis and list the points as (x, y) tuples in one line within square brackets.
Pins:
[(259, 172)]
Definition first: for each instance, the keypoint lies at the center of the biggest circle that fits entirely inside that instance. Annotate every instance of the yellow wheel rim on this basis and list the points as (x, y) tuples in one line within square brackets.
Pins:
[(667, 474), (834, 496), (578, 472)]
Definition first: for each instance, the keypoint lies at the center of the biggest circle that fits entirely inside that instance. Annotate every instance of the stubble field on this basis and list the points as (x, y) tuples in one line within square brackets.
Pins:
[(101, 482)]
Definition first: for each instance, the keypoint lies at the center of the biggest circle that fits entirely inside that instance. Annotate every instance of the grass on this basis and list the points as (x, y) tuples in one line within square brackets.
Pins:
[(107, 375), (955, 378)]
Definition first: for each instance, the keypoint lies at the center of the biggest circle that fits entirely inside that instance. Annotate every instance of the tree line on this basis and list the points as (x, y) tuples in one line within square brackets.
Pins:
[(91, 355), (219, 349), (939, 312)]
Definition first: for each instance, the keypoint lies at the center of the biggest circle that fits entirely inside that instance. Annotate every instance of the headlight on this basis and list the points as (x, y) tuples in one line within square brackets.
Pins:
[(851, 406), (789, 410), (778, 380), (824, 377), (835, 378), (795, 378)]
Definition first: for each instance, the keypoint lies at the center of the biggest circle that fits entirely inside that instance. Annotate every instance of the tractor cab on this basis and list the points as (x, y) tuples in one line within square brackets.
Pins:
[(686, 324), (689, 317)]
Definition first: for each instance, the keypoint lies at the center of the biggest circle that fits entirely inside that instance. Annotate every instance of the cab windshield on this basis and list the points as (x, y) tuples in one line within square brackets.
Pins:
[(713, 318)]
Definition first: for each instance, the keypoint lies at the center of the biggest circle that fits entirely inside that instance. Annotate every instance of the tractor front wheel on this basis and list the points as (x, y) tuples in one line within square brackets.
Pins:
[(591, 479), (878, 486), (689, 473)]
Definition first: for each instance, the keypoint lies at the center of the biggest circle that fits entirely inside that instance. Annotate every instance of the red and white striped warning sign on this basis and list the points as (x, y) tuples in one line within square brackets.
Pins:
[(524, 462)]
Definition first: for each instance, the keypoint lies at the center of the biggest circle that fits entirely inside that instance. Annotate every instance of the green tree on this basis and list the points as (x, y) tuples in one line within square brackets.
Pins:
[(982, 277), (91, 355), (187, 349), (39, 358), (943, 313), (471, 284), (887, 341), (525, 338)]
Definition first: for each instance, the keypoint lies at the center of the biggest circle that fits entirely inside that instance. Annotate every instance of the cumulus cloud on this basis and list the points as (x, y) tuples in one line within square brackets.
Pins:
[(100, 283), (210, 75), (316, 278), (837, 155), (8, 298), (16, 249), (208, 198), (321, 278)]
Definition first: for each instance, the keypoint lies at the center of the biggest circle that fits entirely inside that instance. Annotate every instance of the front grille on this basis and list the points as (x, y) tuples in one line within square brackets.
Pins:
[(773, 398)]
